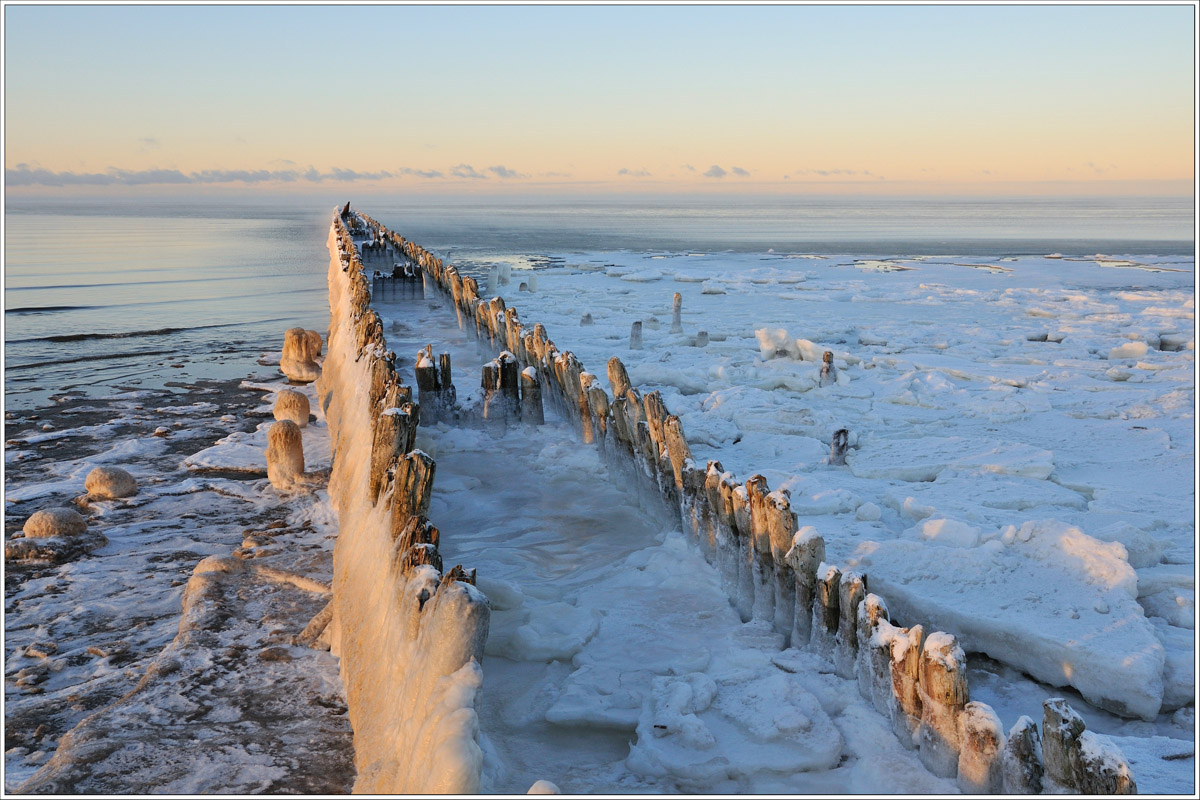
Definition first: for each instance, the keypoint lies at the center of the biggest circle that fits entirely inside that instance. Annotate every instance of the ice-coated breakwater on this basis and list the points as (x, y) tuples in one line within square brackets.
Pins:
[(409, 634), (773, 572)]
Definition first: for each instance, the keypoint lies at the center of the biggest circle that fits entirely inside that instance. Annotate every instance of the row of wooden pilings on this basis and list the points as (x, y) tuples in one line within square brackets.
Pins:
[(400, 476), (776, 573)]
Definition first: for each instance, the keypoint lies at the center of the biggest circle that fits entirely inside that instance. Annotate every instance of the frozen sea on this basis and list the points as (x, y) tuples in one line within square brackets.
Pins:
[(1006, 364)]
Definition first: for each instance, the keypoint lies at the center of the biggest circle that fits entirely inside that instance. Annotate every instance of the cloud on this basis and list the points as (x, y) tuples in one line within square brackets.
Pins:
[(243, 176), (338, 174), (715, 172), (420, 173), (149, 143), (741, 173), (689, 167), (827, 173), (505, 173), (634, 173), (466, 171), (24, 175), (554, 174)]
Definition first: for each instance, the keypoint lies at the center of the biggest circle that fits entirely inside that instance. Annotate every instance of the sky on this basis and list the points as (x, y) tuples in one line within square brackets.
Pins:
[(797, 98)]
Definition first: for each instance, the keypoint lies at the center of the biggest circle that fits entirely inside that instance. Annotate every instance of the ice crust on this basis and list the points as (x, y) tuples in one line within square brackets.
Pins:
[(981, 397)]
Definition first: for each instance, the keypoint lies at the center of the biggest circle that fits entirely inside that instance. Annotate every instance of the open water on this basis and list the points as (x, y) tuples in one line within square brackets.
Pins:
[(101, 294)]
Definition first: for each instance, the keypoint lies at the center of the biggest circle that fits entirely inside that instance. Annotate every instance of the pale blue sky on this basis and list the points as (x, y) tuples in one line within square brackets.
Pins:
[(576, 95)]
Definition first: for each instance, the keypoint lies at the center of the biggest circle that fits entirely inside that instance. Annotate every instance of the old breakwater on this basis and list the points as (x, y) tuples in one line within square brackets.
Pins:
[(773, 572)]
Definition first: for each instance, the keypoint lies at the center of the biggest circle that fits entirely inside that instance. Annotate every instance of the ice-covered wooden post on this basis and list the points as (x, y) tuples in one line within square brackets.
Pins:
[(427, 386), (599, 406), (714, 540), (383, 373), (635, 336), (851, 591), (1021, 759), (435, 391), (676, 311), (906, 683), (943, 695), (781, 528), (826, 611), (871, 611), (411, 488), (806, 554), (760, 551), (828, 370), (389, 441), (875, 656), (1103, 769), (502, 388), (982, 744), (1061, 728), (531, 397), (702, 339), (837, 450), (738, 503), (677, 451)]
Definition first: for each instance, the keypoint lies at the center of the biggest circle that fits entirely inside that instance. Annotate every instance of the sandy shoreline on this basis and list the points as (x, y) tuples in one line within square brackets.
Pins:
[(116, 640)]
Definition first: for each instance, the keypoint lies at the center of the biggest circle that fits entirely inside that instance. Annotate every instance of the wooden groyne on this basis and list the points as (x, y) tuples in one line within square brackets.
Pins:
[(409, 632), (773, 571)]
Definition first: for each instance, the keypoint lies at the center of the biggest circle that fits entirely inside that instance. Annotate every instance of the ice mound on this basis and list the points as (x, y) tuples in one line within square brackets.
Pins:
[(554, 632), (1044, 597), (925, 458), (1128, 350), (976, 498), (600, 696), (781, 726), (944, 532)]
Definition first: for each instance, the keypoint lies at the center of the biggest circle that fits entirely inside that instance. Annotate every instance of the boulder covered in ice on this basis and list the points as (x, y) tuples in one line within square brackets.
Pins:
[(285, 454), (291, 405), (54, 522), (53, 535), (110, 483)]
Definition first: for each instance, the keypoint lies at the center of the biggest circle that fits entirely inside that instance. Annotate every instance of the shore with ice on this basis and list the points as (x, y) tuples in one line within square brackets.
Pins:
[(973, 393), (164, 660)]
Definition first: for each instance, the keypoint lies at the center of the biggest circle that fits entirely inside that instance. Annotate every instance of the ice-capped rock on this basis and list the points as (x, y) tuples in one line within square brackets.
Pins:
[(54, 522), (301, 348), (285, 454), (108, 483), (291, 405)]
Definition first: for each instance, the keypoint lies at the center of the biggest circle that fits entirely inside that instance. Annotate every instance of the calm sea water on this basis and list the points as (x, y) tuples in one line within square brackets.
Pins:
[(118, 293)]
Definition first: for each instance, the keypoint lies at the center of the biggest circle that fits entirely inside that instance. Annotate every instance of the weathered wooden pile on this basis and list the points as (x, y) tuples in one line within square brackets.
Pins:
[(776, 573)]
